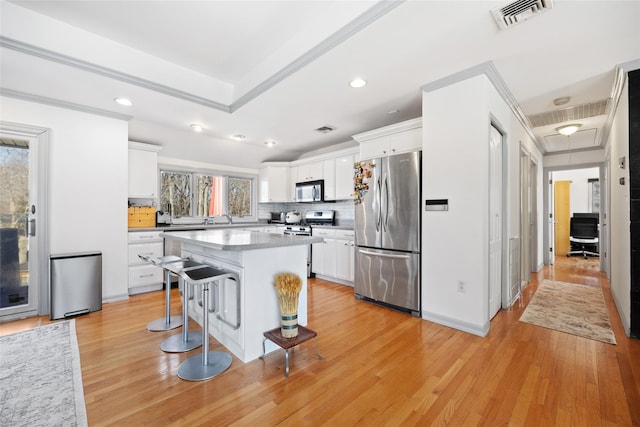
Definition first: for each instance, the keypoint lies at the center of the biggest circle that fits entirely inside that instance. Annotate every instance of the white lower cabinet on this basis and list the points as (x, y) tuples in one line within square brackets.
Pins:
[(334, 258), (345, 255), (144, 277)]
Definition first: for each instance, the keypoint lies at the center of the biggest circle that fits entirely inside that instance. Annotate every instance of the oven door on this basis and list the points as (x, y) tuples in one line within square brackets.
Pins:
[(303, 233)]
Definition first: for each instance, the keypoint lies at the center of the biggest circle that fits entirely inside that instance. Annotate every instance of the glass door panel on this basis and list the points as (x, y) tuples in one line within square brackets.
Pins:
[(16, 294)]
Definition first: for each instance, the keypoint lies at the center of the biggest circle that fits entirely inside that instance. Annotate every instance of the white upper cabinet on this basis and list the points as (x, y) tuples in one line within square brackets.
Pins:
[(143, 170), (329, 174), (273, 183), (310, 171), (344, 176), (394, 139), (293, 178)]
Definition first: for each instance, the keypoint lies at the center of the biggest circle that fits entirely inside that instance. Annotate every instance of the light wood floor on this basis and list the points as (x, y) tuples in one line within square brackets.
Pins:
[(380, 367)]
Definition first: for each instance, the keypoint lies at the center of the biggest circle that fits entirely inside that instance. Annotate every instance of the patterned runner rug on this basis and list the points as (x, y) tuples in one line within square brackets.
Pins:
[(568, 307), (40, 378)]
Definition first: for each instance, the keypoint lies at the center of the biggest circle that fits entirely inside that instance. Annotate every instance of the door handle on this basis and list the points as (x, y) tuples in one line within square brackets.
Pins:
[(31, 227), (385, 224), (362, 251)]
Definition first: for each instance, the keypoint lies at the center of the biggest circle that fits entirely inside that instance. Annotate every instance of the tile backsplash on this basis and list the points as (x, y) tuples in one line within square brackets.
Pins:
[(343, 208)]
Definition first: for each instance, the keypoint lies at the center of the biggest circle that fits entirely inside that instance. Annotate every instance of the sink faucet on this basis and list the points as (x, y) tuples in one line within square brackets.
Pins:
[(212, 219)]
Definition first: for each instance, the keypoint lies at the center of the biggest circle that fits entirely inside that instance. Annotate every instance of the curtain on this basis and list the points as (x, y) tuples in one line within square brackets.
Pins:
[(215, 206)]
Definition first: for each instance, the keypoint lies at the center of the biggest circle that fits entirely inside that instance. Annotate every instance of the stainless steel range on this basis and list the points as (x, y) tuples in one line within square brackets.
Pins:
[(301, 230), (319, 217), (310, 218)]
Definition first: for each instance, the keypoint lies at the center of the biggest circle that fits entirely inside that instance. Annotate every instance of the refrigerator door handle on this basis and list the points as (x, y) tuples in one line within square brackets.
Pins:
[(362, 251), (385, 223), (379, 213)]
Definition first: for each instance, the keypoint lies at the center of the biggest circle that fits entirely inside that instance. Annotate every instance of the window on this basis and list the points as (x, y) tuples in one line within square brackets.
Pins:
[(201, 195)]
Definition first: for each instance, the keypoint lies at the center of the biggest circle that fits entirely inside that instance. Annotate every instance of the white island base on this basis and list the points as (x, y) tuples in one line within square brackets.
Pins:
[(259, 307)]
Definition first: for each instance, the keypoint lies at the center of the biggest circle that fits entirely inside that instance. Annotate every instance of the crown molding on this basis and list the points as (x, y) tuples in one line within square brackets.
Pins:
[(10, 93), (50, 55), (370, 15), (489, 70)]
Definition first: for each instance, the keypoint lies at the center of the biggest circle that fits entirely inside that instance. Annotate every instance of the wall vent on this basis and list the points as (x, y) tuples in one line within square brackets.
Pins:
[(583, 111), (326, 129), (519, 11)]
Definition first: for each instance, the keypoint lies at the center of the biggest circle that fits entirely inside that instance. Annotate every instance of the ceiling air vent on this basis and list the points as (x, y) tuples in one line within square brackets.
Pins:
[(583, 111), (326, 129), (519, 11)]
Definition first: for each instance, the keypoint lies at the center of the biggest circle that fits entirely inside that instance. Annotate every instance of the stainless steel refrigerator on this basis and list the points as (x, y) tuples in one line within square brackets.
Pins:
[(388, 231)]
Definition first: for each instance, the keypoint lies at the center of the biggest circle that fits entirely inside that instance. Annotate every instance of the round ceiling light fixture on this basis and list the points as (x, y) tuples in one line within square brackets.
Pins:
[(356, 83), (196, 127), (269, 144), (561, 101), (568, 129), (123, 101)]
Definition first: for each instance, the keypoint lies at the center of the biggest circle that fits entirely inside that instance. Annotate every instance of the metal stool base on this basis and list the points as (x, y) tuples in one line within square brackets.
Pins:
[(162, 324), (192, 369), (176, 343)]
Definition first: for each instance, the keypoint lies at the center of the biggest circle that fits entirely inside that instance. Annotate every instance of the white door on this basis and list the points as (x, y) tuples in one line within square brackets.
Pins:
[(19, 228), (525, 217), (495, 221), (552, 222)]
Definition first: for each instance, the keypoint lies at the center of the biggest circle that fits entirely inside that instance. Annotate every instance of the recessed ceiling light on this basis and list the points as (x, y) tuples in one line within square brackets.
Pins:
[(393, 112), (123, 101), (568, 129), (239, 137), (269, 143), (196, 127), (357, 83)]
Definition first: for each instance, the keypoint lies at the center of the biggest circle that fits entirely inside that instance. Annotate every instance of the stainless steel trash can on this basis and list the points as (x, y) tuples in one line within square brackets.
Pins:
[(75, 284)]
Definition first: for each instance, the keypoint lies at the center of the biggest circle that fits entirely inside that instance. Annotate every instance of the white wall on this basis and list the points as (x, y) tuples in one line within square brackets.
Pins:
[(87, 185), (456, 167), (619, 218), (579, 189), (577, 158)]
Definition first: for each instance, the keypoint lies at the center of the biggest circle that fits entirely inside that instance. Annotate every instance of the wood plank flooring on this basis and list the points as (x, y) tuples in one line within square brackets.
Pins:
[(379, 367)]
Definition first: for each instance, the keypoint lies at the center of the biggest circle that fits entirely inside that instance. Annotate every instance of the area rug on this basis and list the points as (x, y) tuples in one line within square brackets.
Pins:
[(40, 378), (568, 307)]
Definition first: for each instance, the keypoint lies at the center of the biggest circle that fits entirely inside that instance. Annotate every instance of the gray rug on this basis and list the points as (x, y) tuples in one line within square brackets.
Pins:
[(568, 307), (40, 378)]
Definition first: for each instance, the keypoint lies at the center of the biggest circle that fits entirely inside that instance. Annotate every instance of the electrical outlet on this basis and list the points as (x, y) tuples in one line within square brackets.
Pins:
[(461, 287)]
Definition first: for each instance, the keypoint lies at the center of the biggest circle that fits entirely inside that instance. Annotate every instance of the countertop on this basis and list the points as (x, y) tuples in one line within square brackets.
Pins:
[(191, 227), (187, 227), (229, 239)]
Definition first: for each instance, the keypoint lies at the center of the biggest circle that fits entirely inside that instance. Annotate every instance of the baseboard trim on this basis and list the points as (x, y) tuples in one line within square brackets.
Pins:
[(471, 328)]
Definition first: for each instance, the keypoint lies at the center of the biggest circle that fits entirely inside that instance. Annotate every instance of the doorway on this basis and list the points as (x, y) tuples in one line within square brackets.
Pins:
[(23, 233), (497, 155), (571, 192)]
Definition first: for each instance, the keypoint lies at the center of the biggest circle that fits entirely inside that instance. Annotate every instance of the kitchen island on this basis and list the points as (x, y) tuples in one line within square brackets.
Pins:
[(256, 257)]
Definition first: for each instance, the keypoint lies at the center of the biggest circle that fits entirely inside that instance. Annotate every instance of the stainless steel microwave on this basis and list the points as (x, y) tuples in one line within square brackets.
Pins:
[(310, 191)]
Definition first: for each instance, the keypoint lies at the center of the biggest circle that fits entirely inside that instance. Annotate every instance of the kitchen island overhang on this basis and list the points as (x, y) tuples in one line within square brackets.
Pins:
[(256, 257)]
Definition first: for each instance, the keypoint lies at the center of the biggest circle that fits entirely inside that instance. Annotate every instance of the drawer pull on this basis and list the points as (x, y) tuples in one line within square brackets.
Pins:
[(145, 275)]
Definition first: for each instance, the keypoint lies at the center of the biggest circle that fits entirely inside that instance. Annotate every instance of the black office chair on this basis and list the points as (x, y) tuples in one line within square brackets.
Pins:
[(583, 236)]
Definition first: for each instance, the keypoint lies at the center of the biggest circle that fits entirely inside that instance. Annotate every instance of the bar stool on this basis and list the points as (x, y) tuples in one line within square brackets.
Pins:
[(208, 364), (168, 322), (185, 341)]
